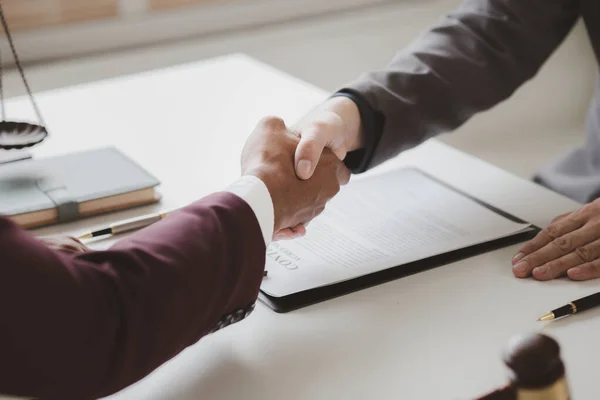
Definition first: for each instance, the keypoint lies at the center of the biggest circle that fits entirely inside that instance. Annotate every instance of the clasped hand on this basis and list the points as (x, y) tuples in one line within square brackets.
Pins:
[(269, 155)]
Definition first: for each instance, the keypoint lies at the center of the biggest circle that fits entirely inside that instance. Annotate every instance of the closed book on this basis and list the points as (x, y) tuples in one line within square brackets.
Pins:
[(45, 191)]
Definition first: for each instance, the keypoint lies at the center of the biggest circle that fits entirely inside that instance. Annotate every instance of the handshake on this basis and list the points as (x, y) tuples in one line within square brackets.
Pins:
[(269, 154), (302, 167)]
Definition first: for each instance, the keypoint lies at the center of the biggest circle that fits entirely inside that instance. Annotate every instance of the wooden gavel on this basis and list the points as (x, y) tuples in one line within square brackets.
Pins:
[(537, 371)]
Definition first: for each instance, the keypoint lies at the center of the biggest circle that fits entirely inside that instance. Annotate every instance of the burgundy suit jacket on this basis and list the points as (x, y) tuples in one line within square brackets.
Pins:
[(85, 326)]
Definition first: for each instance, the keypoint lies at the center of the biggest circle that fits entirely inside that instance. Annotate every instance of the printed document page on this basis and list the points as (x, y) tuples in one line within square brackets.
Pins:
[(381, 222)]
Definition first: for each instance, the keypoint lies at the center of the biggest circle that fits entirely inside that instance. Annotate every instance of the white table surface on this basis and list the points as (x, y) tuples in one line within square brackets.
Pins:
[(434, 335)]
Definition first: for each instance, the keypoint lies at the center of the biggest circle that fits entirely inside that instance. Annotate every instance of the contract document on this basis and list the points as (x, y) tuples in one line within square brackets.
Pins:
[(380, 222)]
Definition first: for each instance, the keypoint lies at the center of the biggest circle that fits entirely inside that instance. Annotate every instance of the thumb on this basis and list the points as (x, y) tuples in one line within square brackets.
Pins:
[(308, 153)]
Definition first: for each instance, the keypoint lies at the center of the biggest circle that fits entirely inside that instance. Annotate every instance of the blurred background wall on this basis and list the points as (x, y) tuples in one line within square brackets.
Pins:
[(49, 29)]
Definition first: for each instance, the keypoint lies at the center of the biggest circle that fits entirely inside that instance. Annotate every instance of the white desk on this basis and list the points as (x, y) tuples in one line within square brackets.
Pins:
[(434, 335)]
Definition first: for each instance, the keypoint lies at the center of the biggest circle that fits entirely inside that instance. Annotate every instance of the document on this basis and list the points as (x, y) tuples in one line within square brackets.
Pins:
[(382, 222)]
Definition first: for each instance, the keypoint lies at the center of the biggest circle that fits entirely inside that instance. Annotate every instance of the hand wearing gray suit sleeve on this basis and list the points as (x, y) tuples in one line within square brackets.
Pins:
[(473, 59), (476, 57)]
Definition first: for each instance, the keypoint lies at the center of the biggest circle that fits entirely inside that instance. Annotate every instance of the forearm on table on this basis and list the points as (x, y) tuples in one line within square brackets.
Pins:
[(88, 325)]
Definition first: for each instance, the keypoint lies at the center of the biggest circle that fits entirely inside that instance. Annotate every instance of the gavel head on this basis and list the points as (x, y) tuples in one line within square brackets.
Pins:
[(534, 361), (537, 371)]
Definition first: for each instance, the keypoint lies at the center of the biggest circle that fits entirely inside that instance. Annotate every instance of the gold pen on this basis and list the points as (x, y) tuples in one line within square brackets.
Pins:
[(573, 307), (126, 226)]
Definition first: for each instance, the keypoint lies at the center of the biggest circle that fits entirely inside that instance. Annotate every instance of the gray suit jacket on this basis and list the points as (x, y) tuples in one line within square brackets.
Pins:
[(475, 58)]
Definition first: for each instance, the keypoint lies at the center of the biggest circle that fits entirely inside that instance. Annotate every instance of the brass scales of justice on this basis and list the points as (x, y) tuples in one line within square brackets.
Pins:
[(15, 135)]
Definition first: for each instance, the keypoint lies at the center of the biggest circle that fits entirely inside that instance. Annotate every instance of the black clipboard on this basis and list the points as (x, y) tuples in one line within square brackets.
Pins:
[(309, 297)]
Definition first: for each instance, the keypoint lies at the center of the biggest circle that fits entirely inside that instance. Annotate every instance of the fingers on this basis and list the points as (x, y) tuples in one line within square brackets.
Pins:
[(554, 250), (582, 255), (74, 246), (284, 234), (290, 233), (309, 152), (300, 230), (560, 217), (270, 124), (585, 271), (325, 184), (547, 235), (66, 244)]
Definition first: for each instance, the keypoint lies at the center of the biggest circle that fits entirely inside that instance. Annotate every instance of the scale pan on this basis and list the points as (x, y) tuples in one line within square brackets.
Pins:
[(19, 135)]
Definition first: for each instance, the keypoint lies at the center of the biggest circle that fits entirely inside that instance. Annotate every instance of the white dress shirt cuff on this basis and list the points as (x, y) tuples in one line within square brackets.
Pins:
[(254, 192)]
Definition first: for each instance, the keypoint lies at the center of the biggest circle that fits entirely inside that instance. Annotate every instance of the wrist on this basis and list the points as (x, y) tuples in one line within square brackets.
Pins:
[(273, 180), (348, 112)]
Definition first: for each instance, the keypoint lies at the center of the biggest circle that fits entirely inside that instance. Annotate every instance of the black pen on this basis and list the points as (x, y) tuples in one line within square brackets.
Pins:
[(573, 307)]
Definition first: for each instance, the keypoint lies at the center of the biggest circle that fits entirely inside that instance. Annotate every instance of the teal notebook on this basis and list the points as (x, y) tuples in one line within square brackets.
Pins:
[(39, 192)]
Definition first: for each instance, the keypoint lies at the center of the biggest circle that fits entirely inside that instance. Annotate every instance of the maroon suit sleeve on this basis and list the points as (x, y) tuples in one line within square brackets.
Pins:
[(85, 326)]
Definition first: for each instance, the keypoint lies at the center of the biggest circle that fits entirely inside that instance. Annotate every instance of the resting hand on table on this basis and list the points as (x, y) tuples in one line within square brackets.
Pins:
[(269, 155), (569, 245)]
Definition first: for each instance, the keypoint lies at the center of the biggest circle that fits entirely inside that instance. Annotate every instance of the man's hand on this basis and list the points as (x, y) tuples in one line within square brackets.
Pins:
[(569, 245), (67, 244), (334, 125), (269, 155)]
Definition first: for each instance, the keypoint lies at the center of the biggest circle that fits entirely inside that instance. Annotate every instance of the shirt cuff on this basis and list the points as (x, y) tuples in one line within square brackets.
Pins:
[(254, 192)]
